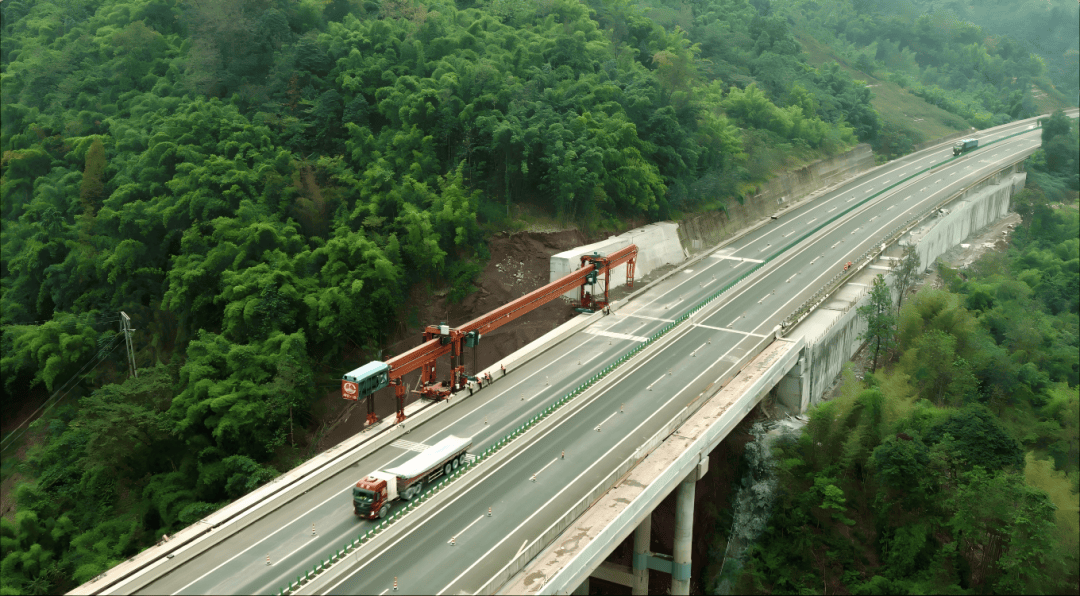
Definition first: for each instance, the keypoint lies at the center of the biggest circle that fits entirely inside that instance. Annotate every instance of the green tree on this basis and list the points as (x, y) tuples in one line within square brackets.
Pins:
[(1003, 528), (92, 190), (880, 322), (978, 439), (905, 271)]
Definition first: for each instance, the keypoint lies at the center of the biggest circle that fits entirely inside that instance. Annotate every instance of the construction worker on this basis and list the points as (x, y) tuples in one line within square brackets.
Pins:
[(848, 266)]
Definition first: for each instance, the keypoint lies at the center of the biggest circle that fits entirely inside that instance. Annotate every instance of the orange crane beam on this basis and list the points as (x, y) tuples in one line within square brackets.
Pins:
[(439, 340)]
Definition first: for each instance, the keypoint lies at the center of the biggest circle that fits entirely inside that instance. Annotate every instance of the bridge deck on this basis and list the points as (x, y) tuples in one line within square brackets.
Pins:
[(581, 548)]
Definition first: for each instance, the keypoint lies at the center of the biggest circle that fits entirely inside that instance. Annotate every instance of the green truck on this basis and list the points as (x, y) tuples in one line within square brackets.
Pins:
[(964, 146)]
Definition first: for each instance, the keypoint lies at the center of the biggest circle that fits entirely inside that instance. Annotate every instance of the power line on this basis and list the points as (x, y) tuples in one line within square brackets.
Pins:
[(101, 319), (99, 357)]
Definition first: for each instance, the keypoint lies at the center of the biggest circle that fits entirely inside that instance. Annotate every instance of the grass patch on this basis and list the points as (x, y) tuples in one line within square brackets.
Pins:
[(1049, 100), (895, 104)]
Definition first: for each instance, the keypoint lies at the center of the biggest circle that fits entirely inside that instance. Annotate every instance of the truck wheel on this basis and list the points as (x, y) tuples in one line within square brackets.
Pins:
[(384, 510), (447, 469), (454, 463), (408, 494)]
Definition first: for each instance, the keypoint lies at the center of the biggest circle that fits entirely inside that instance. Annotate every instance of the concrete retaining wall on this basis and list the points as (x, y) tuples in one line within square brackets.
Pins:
[(979, 207), (827, 354), (658, 244), (706, 229), (838, 339)]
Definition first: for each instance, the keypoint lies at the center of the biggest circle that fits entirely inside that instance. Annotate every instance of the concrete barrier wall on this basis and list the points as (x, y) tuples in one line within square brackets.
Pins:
[(980, 206), (658, 245)]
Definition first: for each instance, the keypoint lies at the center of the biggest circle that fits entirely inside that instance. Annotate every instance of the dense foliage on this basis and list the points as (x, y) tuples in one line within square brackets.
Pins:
[(954, 469), (1049, 29)]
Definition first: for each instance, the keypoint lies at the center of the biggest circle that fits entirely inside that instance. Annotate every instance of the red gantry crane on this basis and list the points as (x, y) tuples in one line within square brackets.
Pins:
[(443, 339)]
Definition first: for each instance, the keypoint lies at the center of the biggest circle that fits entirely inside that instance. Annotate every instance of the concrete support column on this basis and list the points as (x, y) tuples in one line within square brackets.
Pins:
[(583, 589), (642, 538), (684, 534)]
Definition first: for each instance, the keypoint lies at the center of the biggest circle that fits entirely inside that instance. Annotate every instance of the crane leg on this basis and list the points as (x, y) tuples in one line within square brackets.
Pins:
[(399, 393), (371, 417)]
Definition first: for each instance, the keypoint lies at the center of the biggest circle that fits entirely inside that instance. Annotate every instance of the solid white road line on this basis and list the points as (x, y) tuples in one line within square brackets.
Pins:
[(539, 370), (409, 445), (603, 421), (728, 330), (656, 381), (648, 317), (465, 529), (595, 331), (546, 467)]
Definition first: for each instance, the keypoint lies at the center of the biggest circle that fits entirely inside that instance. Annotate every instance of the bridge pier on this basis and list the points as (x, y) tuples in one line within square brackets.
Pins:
[(684, 534), (583, 588), (793, 390), (642, 538)]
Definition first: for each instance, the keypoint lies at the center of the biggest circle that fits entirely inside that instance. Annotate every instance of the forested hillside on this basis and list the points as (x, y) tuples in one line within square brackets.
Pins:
[(981, 76), (1048, 28), (258, 184)]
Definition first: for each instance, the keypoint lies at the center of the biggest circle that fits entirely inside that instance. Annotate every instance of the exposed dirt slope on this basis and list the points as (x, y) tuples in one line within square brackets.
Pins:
[(519, 264)]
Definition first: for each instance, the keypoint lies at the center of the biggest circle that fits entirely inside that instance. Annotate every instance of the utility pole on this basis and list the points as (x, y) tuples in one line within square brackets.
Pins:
[(125, 328)]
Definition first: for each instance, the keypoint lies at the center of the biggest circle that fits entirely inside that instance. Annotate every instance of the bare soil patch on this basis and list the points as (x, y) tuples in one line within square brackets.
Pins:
[(519, 264)]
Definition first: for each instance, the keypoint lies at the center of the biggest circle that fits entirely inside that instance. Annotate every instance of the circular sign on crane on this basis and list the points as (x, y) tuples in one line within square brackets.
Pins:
[(349, 390)]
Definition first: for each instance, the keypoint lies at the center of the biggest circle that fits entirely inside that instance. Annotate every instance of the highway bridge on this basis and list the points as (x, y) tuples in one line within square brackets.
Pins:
[(643, 393)]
